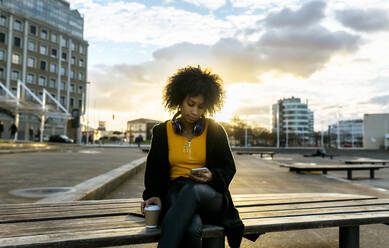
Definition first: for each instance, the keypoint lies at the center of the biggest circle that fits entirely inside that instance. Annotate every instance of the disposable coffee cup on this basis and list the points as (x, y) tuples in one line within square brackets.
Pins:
[(152, 216)]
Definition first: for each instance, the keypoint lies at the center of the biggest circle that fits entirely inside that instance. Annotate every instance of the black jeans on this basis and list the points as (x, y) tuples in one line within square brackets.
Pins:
[(190, 204)]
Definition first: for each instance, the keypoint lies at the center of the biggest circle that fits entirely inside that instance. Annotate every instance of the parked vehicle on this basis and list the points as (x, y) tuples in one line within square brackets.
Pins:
[(60, 138)]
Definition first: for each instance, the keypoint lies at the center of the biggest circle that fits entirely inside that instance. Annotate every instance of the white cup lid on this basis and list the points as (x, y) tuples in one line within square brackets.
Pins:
[(152, 208)]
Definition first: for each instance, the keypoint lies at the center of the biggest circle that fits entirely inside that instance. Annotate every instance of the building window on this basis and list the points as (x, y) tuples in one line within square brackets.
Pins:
[(72, 74), (43, 49), (17, 42), (80, 76), (42, 81), (30, 78), (81, 49), (63, 85), (43, 65), (71, 102), (44, 34), (53, 37), (73, 61), (31, 62), (31, 45), (40, 95), (18, 25), (1, 74), (71, 88), (63, 42), (63, 71), (81, 63), (15, 75), (62, 100), (16, 58), (2, 54), (53, 53), (52, 83), (53, 67), (64, 55), (79, 90), (3, 20), (2, 37), (72, 46), (80, 103), (33, 29)]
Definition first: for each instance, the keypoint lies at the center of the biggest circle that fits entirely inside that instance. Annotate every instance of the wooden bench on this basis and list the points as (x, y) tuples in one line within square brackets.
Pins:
[(367, 161), (271, 154), (107, 222), (331, 167)]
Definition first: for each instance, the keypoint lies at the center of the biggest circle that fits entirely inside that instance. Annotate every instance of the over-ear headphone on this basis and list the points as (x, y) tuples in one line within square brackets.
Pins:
[(198, 127)]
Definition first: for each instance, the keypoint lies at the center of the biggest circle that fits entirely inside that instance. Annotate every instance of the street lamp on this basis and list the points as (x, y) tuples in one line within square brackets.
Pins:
[(338, 129)]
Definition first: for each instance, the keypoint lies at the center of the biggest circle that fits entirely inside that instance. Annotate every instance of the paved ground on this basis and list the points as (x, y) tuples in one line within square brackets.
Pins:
[(256, 175), (58, 168)]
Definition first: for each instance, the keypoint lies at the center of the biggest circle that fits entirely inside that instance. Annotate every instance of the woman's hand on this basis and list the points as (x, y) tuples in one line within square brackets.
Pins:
[(202, 176), (150, 201)]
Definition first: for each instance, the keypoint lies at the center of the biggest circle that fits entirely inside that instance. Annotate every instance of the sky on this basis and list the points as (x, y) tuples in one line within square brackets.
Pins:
[(332, 54)]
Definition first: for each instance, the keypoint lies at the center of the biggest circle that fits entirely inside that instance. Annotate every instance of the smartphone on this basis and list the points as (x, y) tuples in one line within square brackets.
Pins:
[(197, 170)]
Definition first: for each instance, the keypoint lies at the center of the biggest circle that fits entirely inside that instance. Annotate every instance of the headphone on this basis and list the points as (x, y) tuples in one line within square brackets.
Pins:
[(198, 127)]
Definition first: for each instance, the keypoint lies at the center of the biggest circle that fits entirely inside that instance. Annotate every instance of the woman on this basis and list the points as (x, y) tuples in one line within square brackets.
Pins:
[(190, 141)]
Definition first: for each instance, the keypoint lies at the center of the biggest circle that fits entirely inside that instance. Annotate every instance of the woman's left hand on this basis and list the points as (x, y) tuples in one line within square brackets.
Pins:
[(202, 176)]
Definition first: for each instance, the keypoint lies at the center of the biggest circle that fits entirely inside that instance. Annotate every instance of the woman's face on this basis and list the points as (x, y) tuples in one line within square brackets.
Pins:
[(192, 108)]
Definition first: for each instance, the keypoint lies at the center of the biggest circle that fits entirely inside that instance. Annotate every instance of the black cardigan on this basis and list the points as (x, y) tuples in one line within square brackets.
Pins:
[(219, 161)]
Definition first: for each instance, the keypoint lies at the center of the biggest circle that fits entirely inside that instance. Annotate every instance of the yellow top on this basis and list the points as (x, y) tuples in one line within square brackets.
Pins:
[(185, 155)]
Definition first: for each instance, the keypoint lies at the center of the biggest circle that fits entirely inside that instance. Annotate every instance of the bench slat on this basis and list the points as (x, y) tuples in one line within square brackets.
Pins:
[(70, 225), (69, 203), (320, 211), (374, 202), (316, 221), (67, 208), (332, 166)]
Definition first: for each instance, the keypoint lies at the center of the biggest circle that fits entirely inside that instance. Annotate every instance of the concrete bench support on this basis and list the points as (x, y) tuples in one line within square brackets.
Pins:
[(349, 237)]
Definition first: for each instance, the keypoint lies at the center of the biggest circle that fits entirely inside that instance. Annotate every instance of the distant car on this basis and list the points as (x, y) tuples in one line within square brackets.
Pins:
[(60, 138)]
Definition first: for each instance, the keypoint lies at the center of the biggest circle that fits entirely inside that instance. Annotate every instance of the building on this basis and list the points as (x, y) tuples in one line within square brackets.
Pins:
[(42, 45), (376, 128), (142, 127), (295, 121), (350, 133)]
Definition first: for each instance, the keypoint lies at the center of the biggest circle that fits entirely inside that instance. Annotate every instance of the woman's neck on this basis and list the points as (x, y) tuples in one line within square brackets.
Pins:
[(186, 125)]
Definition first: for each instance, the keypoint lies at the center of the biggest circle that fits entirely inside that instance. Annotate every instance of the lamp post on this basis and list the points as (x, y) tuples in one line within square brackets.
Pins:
[(338, 128), (278, 125), (245, 132)]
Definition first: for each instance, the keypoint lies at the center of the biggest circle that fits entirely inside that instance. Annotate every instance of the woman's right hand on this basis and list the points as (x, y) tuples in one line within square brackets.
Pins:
[(151, 201)]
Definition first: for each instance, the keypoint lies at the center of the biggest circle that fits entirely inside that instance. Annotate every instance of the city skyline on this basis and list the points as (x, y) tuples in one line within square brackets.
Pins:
[(330, 53)]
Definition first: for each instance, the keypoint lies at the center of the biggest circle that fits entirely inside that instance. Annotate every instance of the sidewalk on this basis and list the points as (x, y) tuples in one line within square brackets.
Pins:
[(63, 168)]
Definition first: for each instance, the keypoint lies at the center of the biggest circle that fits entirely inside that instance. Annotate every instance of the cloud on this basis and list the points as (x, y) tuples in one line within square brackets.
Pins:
[(309, 14), (164, 25), (379, 100), (368, 20), (301, 52), (213, 5), (260, 4)]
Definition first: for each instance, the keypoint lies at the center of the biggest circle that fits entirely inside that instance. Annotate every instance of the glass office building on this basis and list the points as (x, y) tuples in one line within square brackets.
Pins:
[(42, 44), (295, 120)]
